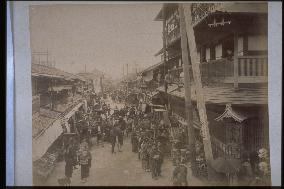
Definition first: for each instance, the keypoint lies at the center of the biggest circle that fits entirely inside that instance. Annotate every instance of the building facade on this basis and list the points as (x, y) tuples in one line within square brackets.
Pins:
[(231, 40)]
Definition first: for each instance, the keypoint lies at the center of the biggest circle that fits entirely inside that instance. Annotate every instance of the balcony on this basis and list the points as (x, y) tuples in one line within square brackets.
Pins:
[(251, 69), (173, 36)]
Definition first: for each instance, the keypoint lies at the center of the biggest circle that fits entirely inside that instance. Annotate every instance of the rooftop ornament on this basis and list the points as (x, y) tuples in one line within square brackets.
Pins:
[(230, 113)]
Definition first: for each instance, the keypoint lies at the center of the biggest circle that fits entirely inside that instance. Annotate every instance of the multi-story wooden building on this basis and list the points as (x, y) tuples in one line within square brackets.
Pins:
[(53, 101), (231, 40)]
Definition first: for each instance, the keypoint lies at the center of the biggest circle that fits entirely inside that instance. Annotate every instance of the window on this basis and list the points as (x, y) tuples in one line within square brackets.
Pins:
[(218, 51), (240, 46), (207, 55)]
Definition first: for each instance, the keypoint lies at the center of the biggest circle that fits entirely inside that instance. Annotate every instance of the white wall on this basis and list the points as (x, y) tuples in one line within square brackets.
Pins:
[(218, 51), (207, 54), (257, 42), (240, 46)]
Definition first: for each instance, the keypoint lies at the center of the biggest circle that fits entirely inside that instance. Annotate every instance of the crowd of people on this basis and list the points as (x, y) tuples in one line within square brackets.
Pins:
[(151, 137)]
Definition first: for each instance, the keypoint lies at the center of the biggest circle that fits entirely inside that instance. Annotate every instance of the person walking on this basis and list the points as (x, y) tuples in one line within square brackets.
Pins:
[(134, 142), (112, 139), (156, 156), (180, 174), (70, 160), (161, 159), (144, 156), (85, 162)]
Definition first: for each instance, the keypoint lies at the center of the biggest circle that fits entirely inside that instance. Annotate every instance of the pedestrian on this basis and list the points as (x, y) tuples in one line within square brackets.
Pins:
[(70, 160), (85, 162), (134, 142), (155, 162), (112, 139), (180, 174), (144, 156), (161, 159)]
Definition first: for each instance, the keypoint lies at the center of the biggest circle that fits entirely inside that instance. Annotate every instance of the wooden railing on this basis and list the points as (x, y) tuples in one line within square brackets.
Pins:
[(251, 69), (173, 36), (252, 65)]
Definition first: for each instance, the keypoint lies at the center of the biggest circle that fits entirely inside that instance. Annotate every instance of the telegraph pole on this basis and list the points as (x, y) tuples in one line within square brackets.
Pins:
[(187, 87), (198, 85), (126, 79), (127, 69), (101, 83)]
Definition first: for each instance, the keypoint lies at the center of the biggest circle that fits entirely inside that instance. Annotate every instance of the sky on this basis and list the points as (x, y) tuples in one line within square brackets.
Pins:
[(101, 36)]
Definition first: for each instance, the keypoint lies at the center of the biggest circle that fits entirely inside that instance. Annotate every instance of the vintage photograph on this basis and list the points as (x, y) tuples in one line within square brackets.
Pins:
[(150, 94)]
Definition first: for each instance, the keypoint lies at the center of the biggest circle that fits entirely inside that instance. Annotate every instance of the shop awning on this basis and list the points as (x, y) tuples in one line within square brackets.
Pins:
[(171, 88), (153, 94), (160, 110), (196, 122), (60, 88)]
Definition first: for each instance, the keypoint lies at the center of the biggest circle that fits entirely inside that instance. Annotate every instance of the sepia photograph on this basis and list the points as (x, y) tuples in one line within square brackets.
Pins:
[(150, 94)]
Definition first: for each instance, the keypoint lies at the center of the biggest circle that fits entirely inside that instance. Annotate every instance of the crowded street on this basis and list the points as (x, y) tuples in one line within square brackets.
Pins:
[(196, 114), (119, 169)]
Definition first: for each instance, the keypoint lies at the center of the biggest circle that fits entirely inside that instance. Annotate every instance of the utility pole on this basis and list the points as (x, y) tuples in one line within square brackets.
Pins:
[(187, 87), (101, 83), (85, 68), (126, 79), (198, 85), (164, 38), (123, 70), (47, 63), (127, 69)]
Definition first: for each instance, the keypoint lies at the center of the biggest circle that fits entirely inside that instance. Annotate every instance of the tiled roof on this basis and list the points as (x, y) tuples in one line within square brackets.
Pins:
[(40, 123), (229, 95), (42, 70)]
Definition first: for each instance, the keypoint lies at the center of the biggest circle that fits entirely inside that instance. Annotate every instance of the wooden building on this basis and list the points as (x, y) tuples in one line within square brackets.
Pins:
[(231, 40), (53, 104)]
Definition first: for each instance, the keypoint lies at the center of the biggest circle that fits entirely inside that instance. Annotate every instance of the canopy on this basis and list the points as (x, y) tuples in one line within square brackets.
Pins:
[(160, 110)]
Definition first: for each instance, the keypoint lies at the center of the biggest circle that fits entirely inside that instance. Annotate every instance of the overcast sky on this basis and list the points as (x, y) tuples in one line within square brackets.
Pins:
[(102, 36)]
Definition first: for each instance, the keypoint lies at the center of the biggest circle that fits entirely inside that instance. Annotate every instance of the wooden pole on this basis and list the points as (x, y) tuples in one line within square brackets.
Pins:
[(164, 38), (127, 69), (101, 83), (198, 85), (236, 67), (187, 87)]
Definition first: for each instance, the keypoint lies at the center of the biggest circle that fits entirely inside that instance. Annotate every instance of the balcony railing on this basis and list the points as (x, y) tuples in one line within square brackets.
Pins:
[(251, 69), (173, 36)]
